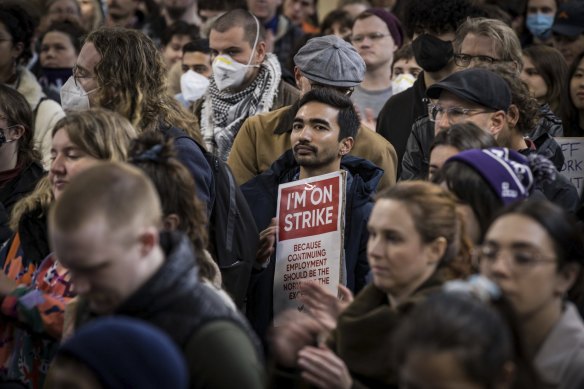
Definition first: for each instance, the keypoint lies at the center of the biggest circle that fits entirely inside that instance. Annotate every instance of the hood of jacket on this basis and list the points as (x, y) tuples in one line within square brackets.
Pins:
[(178, 274), (29, 87), (365, 174)]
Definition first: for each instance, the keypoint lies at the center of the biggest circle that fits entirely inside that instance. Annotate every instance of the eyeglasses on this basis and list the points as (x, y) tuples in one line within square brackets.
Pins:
[(516, 258), (455, 114), (77, 76), (374, 36), (463, 60)]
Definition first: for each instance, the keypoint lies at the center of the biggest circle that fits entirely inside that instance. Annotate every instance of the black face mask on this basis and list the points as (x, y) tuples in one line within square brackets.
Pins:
[(55, 77), (432, 54)]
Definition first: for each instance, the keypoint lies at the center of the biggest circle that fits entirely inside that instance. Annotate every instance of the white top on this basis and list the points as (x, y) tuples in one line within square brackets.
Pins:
[(560, 360)]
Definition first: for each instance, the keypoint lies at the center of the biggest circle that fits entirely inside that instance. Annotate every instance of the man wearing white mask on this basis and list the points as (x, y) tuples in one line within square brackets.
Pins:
[(246, 80), (122, 70), (196, 70)]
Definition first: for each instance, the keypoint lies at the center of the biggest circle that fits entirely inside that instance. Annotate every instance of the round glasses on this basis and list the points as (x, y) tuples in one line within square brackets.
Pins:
[(515, 257), (79, 74)]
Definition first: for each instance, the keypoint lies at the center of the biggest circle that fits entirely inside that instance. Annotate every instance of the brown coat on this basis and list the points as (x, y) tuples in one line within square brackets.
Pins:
[(364, 335), (263, 138), (286, 95)]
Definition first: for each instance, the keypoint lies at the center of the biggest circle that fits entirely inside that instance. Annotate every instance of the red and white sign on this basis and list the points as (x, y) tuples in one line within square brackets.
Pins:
[(309, 246)]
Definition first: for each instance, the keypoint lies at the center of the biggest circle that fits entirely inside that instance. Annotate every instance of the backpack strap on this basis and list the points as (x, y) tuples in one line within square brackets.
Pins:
[(36, 109)]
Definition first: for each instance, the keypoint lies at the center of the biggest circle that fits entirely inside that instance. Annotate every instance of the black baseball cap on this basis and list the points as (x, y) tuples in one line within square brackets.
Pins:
[(570, 19), (480, 86)]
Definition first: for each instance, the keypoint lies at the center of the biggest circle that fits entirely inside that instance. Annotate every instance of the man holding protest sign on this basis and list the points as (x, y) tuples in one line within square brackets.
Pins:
[(322, 135)]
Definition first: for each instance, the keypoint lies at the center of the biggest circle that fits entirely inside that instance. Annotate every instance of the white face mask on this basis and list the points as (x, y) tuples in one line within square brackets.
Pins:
[(227, 72), (402, 82), (193, 85), (74, 97)]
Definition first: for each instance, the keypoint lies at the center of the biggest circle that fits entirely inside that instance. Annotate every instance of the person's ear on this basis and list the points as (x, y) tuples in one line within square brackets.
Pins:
[(566, 277), (148, 239), (346, 145), (298, 77), (171, 222), (15, 132), (497, 122), (260, 52), (435, 250), (513, 116)]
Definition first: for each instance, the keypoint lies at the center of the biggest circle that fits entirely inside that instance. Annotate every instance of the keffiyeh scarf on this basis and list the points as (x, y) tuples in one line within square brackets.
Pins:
[(223, 112)]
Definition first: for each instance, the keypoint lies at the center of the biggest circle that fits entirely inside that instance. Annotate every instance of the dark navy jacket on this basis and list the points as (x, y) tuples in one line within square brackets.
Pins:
[(261, 193)]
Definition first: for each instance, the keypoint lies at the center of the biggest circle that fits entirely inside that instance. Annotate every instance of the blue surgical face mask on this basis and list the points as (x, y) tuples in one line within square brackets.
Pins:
[(540, 25)]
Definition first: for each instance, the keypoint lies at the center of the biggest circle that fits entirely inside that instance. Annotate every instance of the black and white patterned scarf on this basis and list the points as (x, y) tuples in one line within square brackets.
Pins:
[(223, 113)]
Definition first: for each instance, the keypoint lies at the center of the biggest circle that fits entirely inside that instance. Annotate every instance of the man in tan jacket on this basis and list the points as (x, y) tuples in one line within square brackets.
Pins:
[(324, 62)]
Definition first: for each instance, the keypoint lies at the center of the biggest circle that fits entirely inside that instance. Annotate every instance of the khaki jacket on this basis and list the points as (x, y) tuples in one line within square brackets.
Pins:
[(263, 138), (286, 95)]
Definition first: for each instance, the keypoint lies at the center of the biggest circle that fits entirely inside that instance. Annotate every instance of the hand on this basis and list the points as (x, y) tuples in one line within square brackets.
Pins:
[(267, 241), (6, 285), (369, 119), (296, 331), (323, 368), (325, 307)]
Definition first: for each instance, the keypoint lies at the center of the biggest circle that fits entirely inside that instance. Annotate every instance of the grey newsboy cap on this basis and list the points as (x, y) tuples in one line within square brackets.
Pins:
[(329, 60)]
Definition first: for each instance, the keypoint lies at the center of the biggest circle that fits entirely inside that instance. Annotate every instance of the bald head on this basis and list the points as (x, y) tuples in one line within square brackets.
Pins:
[(104, 228)]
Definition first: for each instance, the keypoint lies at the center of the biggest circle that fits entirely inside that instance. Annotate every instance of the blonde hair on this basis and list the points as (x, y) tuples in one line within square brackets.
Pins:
[(504, 40), (99, 133)]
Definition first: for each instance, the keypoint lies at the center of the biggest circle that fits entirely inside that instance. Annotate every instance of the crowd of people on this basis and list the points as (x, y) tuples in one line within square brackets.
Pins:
[(143, 145)]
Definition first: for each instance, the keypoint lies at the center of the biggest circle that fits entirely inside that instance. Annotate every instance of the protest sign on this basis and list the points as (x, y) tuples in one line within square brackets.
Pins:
[(573, 168), (310, 238)]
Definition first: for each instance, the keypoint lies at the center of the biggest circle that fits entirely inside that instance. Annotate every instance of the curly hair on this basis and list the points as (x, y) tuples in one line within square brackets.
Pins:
[(526, 105), (132, 79), (437, 16)]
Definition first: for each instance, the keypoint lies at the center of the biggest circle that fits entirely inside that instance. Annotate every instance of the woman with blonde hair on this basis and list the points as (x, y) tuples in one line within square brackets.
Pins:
[(34, 287), (414, 232)]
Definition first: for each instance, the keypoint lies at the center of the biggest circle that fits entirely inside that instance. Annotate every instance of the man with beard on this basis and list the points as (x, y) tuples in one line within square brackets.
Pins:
[(432, 25), (323, 132), (247, 80)]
